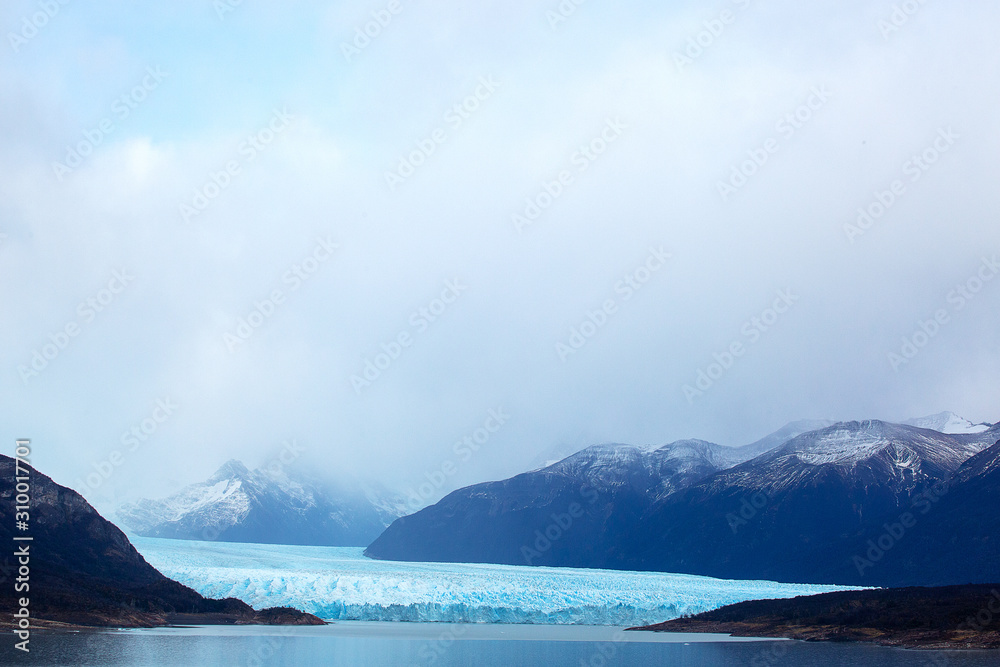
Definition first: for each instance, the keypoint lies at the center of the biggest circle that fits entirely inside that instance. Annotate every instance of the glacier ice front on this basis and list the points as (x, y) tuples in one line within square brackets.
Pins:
[(341, 584)]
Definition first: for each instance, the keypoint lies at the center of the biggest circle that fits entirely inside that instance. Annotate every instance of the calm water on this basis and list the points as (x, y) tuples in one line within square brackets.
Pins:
[(390, 644)]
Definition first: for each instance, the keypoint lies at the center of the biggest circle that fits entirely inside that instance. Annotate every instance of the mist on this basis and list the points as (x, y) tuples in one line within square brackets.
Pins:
[(478, 235)]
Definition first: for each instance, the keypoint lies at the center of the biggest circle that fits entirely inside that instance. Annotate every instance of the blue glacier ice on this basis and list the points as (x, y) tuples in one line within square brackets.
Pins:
[(338, 583)]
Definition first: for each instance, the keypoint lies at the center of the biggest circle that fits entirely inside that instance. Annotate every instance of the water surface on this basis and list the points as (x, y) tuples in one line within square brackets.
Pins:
[(447, 645)]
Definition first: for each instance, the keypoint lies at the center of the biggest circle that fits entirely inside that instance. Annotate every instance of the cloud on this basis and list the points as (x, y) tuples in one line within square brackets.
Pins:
[(683, 131)]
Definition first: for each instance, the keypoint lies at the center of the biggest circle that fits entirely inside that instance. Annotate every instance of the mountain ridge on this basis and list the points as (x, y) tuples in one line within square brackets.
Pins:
[(948, 422), (779, 516), (273, 506)]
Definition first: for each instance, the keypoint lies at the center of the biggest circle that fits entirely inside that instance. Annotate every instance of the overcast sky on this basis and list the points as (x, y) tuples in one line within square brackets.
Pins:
[(682, 190)]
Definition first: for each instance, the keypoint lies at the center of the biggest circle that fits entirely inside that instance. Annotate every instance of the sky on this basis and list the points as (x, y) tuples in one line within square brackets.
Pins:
[(394, 238)]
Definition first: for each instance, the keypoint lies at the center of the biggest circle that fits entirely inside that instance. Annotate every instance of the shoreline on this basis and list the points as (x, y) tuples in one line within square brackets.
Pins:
[(913, 639), (417, 631), (941, 618), (73, 620), (691, 630)]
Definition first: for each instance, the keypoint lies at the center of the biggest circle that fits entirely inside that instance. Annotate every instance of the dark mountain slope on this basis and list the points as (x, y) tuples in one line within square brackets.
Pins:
[(796, 513), (84, 570), (574, 511), (951, 536), (776, 516)]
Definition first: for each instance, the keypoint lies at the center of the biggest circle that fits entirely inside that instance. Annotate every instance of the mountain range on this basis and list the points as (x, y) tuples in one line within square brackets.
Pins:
[(803, 505), (616, 484), (76, 567), (268, 506)]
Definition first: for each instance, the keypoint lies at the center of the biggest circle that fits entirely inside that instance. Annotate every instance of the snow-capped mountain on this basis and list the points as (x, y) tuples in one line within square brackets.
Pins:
[(612, 481), (615, 483), (781, 515), (722, 455), (780, 437), (595, 490), (889, 450), (784, 515), (653, 471), (85, 571), (265, 506), (948, 422), (954, 539)]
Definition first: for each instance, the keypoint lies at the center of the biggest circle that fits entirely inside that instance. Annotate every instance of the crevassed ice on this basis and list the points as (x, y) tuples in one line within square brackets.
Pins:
[(338, 583)]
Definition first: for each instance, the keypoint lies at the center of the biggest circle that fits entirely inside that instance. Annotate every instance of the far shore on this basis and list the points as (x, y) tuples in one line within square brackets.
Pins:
[(413, 631), (946, 617)]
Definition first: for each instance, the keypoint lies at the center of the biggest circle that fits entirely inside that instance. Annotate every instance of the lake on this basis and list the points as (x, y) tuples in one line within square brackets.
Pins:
[(484, 615), (359, 643)]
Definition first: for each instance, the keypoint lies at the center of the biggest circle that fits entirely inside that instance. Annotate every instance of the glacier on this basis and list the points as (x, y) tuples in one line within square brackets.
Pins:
[(339, 583)]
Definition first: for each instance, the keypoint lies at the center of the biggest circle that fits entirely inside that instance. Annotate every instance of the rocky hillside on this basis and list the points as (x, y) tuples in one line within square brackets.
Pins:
[(85, 571)]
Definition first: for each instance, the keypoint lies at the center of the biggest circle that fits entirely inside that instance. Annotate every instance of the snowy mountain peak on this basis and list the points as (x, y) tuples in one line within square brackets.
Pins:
[(277, 506), (686, 448), (947, 422), (681, 454), (648, 455), (231, 469), (780, 437), (898, 445)]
